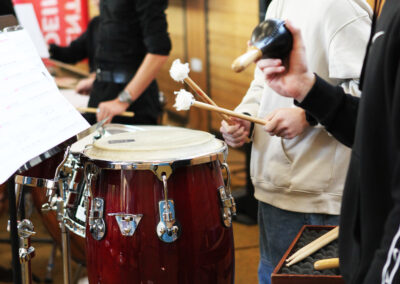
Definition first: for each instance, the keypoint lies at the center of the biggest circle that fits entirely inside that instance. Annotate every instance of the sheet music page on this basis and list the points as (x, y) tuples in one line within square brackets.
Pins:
[(34, 116), (27, 18)]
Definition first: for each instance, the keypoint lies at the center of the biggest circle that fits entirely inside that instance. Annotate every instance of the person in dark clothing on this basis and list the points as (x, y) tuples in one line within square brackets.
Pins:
[(369, 240), (6, 8), (81, 48), (133, 45)]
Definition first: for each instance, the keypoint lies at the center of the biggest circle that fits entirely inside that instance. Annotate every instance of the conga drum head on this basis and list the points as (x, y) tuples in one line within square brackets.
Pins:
[(155, 144), (109, 129), (156, 208)]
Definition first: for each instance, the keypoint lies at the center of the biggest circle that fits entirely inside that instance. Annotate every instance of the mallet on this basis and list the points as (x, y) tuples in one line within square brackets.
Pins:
[(184, 100)]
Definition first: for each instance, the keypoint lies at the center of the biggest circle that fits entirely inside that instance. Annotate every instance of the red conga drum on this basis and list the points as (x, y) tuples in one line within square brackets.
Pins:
[(160, 211), (73, 218)]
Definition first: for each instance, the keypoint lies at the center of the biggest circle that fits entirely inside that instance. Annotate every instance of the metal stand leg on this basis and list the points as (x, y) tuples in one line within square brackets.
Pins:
[(50, 265), (65, 253), (14, 232), (26, 252)]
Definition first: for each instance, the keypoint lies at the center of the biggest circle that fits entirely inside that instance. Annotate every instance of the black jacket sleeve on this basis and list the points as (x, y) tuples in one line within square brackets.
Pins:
[(73, 53), (153, 23), (385, 266), (334, 109)]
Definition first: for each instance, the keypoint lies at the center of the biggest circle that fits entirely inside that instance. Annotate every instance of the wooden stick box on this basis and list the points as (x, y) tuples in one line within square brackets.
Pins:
[(303, 272)]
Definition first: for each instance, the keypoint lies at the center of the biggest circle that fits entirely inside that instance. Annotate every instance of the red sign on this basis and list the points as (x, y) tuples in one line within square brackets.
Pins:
[(61, 21)]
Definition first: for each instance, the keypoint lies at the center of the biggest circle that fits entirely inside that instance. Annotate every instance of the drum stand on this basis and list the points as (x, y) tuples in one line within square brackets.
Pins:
[(55, 203), (14, 232)]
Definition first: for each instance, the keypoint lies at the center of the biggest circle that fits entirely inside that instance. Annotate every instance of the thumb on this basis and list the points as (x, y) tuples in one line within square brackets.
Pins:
[(296, 33)]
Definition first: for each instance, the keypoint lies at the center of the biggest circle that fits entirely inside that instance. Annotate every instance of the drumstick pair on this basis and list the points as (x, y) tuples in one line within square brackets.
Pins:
[(180, 73), (184, 100), (313, 246)]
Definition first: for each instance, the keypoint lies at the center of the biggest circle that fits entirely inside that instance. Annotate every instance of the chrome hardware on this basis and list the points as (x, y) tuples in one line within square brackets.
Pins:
[(26, 255), (97, 226), (127, 222), (101, 131), (50, 191), (26, 252), (74, 227), (168, 229), (228, 205), (51, 206), (162, 170)]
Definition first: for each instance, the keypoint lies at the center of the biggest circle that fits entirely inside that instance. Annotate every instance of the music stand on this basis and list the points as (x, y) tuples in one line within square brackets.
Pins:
[(7, 21)]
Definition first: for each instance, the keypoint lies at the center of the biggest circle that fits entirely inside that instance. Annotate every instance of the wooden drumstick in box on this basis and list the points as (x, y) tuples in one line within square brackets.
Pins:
[(184, 100), (313, 246), (327, 263)]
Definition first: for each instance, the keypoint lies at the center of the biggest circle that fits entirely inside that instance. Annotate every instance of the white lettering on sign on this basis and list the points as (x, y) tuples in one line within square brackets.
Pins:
[(72, 20), (50, 20)]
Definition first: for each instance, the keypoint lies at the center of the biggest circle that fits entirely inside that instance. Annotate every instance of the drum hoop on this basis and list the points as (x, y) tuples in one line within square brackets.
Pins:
[(220, 155)]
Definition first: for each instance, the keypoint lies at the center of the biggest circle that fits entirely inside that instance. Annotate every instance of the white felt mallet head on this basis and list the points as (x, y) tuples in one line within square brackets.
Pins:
[(179, 71), (183, 100)]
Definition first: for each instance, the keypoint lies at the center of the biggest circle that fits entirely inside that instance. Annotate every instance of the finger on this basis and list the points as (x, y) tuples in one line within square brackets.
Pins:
[(98, 115), (271, 125), (270, 115), (268, 71), (264, 63), (234, 140), (296, 33), (281, 132)]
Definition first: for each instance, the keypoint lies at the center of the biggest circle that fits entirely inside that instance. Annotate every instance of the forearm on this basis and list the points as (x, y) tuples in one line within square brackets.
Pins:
[(146, 73), (334, 109), (69, 54)]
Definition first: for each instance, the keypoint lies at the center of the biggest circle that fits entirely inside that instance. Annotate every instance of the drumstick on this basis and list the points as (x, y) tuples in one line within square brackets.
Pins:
[(95, 110), (184, 100), (69, 67), (314, 246), (334, 231), (180, 72), (326, 263)]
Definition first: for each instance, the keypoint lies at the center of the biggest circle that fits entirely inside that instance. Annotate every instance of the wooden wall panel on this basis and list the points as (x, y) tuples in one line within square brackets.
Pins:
[(230, 23), (216, 35), (177, 30), (197, 49)]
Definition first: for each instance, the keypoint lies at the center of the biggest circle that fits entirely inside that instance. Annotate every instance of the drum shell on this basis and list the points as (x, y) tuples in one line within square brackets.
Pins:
[(47, 169), (204, 252)]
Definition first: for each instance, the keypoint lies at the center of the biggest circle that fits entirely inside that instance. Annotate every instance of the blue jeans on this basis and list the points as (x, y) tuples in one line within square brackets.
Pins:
[(278, 228)]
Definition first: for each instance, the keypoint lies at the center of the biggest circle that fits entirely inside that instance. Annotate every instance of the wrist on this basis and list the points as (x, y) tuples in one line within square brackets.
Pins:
[(307, 82), (125, 97)]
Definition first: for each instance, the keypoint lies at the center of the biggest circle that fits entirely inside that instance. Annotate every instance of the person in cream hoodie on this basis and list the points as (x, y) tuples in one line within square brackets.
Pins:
[(297, 168)]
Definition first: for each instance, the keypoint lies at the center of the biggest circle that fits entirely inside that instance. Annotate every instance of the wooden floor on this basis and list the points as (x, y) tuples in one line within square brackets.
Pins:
[(246, 253)]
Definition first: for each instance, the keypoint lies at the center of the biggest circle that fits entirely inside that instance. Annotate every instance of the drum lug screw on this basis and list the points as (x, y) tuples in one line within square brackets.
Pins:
[(228, 205), (168, 229), (97, 226)]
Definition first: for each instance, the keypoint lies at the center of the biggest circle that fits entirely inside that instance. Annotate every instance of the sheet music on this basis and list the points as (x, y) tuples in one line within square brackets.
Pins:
[(27, 18), (34, 116)]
